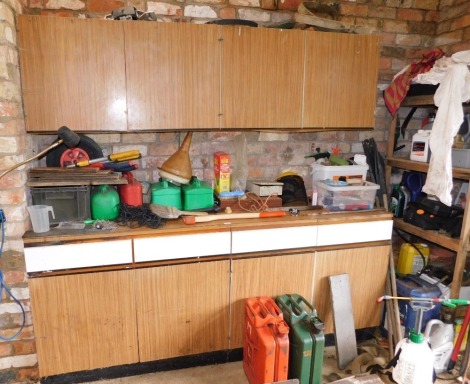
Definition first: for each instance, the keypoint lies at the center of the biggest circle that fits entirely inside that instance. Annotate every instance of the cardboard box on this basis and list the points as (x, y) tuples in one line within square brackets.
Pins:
[(221, 172), (264, 188)]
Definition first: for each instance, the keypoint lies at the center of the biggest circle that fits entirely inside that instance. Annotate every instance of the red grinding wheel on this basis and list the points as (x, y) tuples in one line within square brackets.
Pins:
[(87, 149)]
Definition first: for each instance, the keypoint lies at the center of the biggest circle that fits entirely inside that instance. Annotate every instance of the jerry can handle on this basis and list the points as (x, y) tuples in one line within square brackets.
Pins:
[(317, 324)]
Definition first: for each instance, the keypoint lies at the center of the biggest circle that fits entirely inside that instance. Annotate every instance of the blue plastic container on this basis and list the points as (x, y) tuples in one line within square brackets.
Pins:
[(414, 286)]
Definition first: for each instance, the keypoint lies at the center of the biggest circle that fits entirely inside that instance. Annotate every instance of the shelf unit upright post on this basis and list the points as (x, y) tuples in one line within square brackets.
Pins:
[(459, 245)]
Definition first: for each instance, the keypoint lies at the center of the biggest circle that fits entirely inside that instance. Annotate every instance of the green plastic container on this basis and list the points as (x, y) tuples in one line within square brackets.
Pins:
[(197, 195), (105, 203), (167, 194), (306, 339)]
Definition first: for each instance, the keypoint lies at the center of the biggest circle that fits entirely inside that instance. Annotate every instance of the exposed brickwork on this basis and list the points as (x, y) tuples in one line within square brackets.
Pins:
[(407, 29)]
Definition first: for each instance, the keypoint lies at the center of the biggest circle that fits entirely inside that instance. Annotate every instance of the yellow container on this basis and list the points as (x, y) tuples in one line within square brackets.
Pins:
[(409, 260)]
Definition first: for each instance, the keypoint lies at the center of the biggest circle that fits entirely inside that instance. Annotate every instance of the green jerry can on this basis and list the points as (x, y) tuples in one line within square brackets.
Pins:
[(306, 338), (197, 195), (167, 194)]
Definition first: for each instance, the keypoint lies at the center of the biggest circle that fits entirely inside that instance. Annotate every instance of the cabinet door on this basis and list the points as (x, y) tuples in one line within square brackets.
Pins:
[(182, 309), (84, 321), (341, 80), (262, 74), (72, 73), (173, 75), (267, 276), (367, 269)]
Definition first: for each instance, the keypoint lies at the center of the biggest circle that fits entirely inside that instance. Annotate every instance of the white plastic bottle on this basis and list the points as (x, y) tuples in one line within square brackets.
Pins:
[(441, 337), (420, 146), (415, 363)]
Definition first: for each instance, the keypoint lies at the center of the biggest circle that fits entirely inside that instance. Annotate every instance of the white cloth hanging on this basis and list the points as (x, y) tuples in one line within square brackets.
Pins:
[(454, 89)]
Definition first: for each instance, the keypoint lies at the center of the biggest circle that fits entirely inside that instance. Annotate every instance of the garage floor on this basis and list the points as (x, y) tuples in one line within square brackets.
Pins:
[(232, 373)]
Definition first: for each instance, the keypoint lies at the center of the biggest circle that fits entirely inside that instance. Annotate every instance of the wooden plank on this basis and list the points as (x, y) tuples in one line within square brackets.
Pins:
[(345, 336)]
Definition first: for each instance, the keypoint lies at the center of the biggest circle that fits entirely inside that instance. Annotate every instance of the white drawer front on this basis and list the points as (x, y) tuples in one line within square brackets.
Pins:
[(55, 257), (274, 238), (181, 246), (354, 232)]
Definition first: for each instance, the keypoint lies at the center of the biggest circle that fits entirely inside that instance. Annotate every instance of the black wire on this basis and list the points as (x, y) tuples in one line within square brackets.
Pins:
[(138, 216)]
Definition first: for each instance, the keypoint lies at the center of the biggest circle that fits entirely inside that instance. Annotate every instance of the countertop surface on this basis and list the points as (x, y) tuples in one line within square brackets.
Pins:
[(177, 226)]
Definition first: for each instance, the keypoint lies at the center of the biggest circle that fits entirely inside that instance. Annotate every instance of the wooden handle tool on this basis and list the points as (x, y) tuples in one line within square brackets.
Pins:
[(229, 216)]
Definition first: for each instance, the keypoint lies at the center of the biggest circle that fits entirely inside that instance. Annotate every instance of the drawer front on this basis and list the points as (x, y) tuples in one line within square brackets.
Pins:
[(350, 233), (274, 238), (181, 246), (67, 256)]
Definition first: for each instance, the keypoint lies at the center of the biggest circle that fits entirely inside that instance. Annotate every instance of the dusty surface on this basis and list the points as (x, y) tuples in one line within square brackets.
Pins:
[(232, 373)]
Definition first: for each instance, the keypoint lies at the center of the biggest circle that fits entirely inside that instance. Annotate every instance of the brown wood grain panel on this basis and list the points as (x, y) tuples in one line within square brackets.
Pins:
[(367, 269), (262, 74), (172, 76), (268, 276), (84, 322), (73, 73), (182, 309), (341, 80)]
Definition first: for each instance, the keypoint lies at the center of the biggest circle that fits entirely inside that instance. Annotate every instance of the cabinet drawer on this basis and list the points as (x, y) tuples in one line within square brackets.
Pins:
[(350, 233), (274, 238), (55, 257), (181, 246)]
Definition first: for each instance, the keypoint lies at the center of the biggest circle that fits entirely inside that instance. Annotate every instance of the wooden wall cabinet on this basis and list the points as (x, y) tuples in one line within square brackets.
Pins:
[(173, 76), (341, 73), (262, 78), (84, 321), (101, 75), (72, 73)]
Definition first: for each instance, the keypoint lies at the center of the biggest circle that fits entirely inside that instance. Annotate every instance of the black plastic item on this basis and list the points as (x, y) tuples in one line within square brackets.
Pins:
[(422, 89), (62, 155), (246, 23), (415, 215), (293, 190)]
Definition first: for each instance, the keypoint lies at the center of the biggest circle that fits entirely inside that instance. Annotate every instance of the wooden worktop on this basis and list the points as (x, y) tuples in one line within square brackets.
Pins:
[(176, 226)]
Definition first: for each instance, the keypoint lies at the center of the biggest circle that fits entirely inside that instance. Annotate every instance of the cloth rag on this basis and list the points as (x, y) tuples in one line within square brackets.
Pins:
[(454, 89), (398, 88)]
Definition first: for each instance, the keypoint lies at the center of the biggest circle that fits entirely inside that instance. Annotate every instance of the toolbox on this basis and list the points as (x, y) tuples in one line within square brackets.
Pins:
[(306, 338), (415, 287), (266, 343)]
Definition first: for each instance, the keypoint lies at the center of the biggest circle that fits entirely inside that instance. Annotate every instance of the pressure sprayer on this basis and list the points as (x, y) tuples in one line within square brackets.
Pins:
[(416, 360)]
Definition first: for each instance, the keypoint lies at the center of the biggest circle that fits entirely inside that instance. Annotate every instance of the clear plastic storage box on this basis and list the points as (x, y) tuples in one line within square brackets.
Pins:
[(335, 172), (69, 203), (346, 198)]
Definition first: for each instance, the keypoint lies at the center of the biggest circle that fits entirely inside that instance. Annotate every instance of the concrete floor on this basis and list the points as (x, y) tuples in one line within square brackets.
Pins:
[(232, 373)]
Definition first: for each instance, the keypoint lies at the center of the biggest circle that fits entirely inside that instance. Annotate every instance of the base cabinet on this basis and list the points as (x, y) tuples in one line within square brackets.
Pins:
[(98, 319), (84, 321), (267, 276), (182, 309), (367, 269)]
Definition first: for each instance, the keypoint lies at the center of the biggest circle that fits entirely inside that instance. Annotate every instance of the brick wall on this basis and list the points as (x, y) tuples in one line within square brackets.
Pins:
[(407, 28), (18, 362)]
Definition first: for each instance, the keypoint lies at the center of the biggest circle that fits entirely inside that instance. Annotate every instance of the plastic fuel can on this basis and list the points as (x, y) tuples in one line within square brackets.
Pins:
[(410, 260), (105, 203)]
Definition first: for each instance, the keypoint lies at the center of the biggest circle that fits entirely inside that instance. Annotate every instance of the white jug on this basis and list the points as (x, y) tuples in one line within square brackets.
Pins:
[(40, 217), (441, 337)]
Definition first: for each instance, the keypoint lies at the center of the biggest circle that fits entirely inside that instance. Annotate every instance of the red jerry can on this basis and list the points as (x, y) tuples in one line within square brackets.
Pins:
[(266, 343)]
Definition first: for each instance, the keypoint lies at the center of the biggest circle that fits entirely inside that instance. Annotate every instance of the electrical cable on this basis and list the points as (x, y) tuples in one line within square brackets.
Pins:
[(4, 286), (138, 216)]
